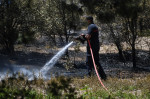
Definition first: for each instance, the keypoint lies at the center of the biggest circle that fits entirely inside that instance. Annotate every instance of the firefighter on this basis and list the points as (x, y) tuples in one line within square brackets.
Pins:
[(93, 36)]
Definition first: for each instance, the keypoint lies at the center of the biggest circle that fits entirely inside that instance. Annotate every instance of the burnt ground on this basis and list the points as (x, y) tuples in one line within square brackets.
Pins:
[(33, 58)]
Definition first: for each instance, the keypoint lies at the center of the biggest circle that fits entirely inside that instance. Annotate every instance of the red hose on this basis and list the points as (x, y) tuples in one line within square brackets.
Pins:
[(95, 67)]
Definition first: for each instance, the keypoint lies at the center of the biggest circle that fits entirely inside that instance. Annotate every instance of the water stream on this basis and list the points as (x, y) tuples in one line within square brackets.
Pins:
[(54, 59), (42, 72)]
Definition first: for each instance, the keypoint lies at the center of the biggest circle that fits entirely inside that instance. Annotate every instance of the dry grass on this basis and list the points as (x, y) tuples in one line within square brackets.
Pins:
[(129, 88), (86, 88)]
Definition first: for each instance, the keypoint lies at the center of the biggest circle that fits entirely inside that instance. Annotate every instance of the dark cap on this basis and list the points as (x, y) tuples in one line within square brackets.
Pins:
[(89, 18)]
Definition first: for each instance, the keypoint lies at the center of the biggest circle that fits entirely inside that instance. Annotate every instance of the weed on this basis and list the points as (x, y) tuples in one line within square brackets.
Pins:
[(17, 86)]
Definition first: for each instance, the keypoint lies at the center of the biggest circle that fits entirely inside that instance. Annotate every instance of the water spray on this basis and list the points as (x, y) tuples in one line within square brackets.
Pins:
[(54, 59)]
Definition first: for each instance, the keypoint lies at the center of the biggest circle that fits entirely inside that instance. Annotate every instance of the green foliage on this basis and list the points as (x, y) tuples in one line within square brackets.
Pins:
[(129, 8), (145, 33), (20, 20), (92, 5), (90, 94), (16, 23), (77, 47), (146, 94), (68, 64), (129, 17), (124, 95), (132, 88), (106, 16), (17, 87), (22, 93), (59, 18), (61, 87)]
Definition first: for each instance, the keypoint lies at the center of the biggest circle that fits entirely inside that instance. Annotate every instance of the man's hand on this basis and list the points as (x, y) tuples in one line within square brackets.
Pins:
[(82, 34), (88, 36)]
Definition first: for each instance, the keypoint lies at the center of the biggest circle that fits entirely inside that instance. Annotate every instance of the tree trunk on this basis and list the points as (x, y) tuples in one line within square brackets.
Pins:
[(8, 48), (133, 28), (133, 55), (65, 28), (117, 43), (121, 55)]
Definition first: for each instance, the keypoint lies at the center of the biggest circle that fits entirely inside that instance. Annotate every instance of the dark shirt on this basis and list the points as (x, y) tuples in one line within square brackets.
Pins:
[(94, 40)]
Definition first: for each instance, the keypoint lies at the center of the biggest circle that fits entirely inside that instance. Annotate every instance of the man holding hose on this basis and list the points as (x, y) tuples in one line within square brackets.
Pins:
[(93, 36)]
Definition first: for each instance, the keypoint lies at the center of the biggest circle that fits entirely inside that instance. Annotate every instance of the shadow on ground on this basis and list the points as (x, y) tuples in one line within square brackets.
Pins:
[(109, 61), (21, 58)]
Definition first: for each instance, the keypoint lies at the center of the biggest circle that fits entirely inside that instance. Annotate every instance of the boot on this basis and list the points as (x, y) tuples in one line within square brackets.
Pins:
[(90, 73), (102, 73)]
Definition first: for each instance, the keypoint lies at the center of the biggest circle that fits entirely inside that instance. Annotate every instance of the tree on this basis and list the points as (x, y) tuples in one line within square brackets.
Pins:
[(129, 11), (105, 14), (60, 17), (16, 21)]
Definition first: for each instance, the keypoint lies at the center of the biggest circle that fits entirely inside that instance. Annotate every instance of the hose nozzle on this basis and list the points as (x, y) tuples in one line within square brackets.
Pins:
[(81, 38)]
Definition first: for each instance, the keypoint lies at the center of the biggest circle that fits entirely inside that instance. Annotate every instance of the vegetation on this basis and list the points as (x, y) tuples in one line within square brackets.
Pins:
[(123, 18), (18, 86), (77, 88), (21, 21), (122, 22), (15, 23), (128, 88)]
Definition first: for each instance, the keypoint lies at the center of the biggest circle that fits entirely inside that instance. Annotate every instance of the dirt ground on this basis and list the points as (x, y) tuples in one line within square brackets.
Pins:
[(33, 58)]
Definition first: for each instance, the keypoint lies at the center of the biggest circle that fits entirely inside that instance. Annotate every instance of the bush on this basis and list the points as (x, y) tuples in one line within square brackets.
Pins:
[(19, 87)]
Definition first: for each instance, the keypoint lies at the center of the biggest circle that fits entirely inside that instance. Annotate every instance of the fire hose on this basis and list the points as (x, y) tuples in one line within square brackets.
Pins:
[(82, 39), (96, 68)]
